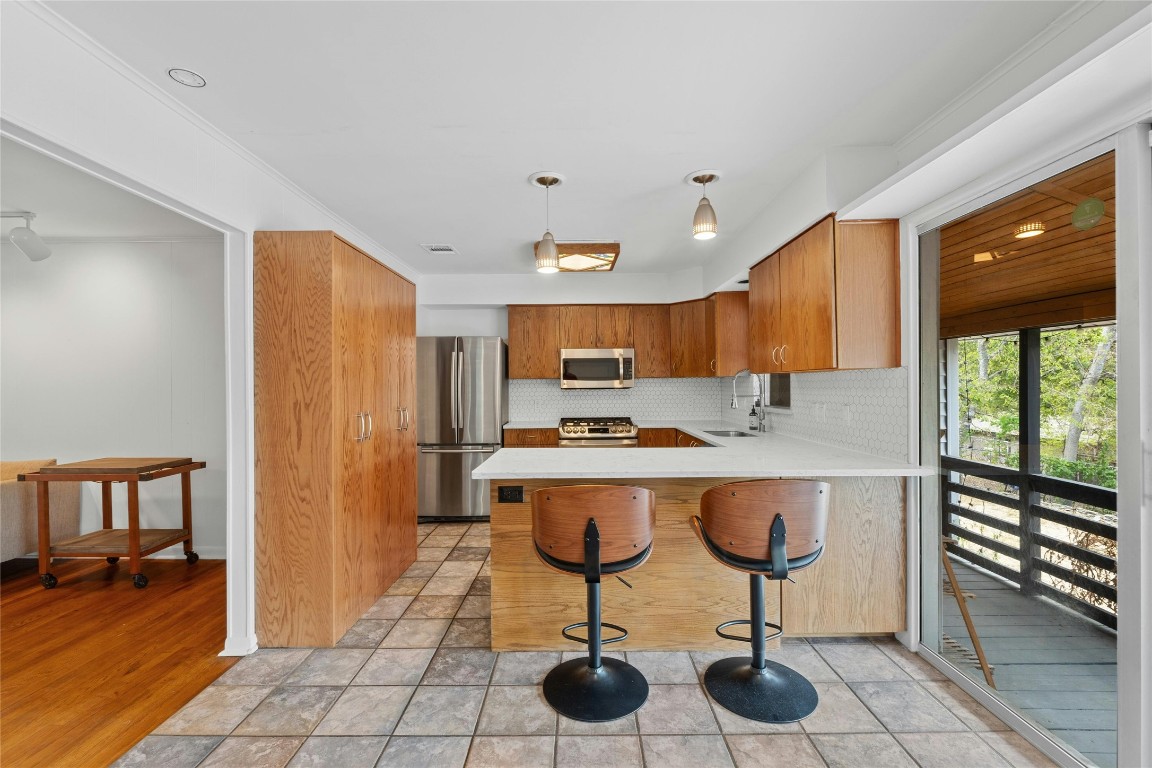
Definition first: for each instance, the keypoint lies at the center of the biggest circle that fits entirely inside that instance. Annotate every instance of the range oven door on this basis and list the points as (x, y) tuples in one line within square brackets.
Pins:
[(600, 442), (597, 368)]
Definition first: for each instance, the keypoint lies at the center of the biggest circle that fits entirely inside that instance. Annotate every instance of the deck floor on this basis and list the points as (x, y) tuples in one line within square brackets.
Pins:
[(1055, 668)]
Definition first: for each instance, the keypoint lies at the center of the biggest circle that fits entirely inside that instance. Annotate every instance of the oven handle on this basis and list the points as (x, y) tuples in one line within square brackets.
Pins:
[(488, 449)]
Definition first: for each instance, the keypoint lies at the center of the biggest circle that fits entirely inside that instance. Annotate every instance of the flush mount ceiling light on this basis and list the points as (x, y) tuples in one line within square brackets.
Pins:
[(585, 257), (547, 255), (704, 222), (1031, 229), (187, 77), (24, 238)]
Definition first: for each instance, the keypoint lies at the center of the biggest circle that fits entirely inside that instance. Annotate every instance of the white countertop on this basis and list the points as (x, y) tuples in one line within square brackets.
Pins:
[(762, 455)]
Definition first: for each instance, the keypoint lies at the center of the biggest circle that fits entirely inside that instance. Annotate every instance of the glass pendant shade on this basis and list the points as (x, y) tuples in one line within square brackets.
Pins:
[(547, 255), (704, 222)]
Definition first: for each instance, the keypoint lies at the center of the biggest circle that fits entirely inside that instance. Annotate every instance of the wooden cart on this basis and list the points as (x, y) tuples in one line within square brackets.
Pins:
[(114, 543)]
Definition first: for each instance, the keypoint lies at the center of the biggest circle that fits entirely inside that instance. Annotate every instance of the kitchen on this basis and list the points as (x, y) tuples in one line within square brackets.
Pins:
[(910, 152)]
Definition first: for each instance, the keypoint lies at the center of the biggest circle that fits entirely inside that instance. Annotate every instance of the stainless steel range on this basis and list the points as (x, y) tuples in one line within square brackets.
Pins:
[(599, 432)]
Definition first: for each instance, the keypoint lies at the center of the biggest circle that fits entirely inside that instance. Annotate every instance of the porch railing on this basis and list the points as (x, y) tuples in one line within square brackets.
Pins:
[(1078, 577)]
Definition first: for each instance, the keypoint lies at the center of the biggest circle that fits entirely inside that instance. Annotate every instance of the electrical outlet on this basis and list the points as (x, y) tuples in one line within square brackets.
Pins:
[(510, 494)]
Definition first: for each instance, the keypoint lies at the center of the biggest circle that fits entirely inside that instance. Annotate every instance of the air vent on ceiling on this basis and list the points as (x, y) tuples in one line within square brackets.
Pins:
[(440, 249)]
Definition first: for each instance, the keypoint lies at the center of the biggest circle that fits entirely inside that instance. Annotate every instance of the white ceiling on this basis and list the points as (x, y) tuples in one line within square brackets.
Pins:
[(69, 203), (420, 122)]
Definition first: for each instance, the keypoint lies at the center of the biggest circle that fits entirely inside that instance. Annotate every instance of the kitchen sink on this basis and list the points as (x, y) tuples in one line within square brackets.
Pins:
[(727, 433)]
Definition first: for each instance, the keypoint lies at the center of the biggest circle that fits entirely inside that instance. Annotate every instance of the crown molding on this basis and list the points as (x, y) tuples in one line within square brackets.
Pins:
[(82, 40), (116, 240)]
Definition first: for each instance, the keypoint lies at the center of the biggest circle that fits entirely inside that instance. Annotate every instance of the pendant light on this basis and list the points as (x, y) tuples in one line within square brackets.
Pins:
[(547, 255), (704, 222), (24, 238)]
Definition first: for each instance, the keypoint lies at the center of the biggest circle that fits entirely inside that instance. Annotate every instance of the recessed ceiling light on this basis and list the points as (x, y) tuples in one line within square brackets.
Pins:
[(187, 77)]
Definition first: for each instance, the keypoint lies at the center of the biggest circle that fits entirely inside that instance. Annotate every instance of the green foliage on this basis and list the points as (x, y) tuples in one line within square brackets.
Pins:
[(989, 393)]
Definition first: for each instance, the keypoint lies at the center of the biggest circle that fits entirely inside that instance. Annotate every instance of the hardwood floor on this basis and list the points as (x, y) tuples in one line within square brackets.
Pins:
[(91, 667)]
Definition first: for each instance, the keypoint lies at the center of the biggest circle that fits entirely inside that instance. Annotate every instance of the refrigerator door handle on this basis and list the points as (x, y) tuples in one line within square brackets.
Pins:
[(487, 449), (458, 383), (455, 405)]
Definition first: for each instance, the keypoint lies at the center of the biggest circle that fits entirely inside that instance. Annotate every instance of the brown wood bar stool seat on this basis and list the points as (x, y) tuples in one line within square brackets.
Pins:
[(594, 530), (765, 528)]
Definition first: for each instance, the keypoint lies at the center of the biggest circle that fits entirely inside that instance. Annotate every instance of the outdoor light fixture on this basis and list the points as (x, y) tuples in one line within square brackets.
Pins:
[(24, 238), (547, 255), (1031, 229), (704, 222)]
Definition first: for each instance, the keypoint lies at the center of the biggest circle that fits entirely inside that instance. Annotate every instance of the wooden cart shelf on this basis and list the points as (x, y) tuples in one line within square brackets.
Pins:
[(114, 543)]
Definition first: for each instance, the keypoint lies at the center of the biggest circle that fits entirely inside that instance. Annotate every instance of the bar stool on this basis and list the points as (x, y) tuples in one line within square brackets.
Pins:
[(594, 530), (765, 528)]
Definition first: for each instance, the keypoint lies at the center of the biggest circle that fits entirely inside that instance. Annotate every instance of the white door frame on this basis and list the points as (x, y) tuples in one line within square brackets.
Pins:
[(239, 493)]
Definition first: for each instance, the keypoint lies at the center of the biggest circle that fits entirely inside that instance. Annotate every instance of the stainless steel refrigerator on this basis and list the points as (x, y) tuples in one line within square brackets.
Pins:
[(462, 393)]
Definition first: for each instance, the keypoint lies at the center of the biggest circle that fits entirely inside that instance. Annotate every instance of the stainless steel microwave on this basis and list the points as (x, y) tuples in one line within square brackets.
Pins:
[(597, 368)]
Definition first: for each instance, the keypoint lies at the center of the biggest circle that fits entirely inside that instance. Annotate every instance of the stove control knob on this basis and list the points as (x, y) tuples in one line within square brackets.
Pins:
[(583, 430)]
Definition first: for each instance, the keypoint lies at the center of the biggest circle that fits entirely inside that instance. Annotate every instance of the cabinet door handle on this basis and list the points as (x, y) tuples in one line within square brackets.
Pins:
[(400, 411), (369, 415), (775, 351), (712, 365), (360, 432), (783, 357), (407, 419)]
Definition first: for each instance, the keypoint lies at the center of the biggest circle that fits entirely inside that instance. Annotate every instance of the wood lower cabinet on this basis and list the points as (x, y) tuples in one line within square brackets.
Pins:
[(334, 343), (657, 437), (531, 438), (685, 440), (651, 341), (709, 337), (533, 341), (828, 300)]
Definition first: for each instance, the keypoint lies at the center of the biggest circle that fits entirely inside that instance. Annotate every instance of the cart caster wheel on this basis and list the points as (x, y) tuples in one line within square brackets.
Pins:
[(139, 581), (191, 557), (112, 560), (47, 580)]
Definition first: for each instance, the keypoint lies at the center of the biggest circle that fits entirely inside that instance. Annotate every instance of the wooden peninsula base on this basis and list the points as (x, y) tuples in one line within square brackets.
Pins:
[(681, 594)]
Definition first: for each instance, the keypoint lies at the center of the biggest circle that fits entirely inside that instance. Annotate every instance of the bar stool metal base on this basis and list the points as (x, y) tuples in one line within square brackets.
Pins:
[(777, 694), (580, 692)]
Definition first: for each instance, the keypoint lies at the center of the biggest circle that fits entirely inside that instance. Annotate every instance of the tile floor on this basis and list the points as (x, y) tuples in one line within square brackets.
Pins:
[(414, 684)]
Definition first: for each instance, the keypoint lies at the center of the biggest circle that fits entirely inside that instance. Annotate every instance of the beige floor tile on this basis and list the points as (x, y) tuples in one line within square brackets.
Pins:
[(620, 726), (973, 714), (425, 752), (475, 607), (267, 666), (469, 633), (686, 751), (342, 751), (459, 569), (951, 750), (395, 666), (511, 752), (433, 607), (366, 633), (676, 709), (368, 710), (329, 666), (216, 710), (599, 751), (168, 751), (421, 569), (460, 666), (447, 585), (906, 707), (524, 667), (860, 662), (839, 711), (774, 751), (1016, 750), (416, 633), (289, 711), (432, 554), (663, 667), (442, 711), (389, 607), (405, 586), (856, 750), (516, 710), (253, 752)]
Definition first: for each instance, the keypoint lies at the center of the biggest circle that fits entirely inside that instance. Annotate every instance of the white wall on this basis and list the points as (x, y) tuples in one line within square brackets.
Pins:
[(462, 321), (117, 349)]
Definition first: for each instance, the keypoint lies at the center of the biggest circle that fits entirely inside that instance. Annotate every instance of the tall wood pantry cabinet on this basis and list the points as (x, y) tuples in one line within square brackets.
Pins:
[(335, 353)]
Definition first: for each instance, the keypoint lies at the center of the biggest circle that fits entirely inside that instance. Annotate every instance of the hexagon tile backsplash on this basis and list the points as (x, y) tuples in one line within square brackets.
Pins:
[(859, 410)]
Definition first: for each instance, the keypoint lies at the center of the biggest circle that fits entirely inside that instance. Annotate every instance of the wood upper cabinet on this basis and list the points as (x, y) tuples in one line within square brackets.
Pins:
[(531, 438), (334, 343), (651, 341), (590, 326), (828, 299), (533, 341), (709, 337)]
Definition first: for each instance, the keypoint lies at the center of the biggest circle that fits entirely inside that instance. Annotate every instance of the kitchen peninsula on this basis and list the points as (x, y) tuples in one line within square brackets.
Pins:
[(680, 595)]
